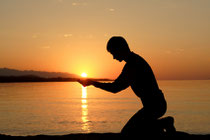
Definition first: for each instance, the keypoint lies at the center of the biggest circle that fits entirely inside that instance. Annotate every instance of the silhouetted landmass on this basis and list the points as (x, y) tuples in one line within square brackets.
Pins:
[(103, 136), (32, 78), (12, 75), (44, 74)]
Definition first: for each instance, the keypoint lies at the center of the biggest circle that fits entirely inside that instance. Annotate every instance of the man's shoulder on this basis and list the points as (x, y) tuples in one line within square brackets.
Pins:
[(136, 62), (136, 58)]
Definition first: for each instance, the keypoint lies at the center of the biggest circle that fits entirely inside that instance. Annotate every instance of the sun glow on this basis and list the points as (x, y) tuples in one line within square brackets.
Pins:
[(84, 106), (84, 74)]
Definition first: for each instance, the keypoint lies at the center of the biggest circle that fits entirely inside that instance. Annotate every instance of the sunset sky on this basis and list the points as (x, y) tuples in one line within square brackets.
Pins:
[(71, 35)]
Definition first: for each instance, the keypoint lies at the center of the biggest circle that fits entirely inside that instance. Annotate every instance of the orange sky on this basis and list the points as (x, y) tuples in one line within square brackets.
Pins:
[(71, 35)]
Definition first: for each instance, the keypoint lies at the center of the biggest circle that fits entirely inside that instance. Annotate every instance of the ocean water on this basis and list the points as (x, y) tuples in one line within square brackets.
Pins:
[(66, 107)]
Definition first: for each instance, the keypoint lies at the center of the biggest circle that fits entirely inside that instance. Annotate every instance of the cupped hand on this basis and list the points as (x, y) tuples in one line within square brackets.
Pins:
[(85, 82)]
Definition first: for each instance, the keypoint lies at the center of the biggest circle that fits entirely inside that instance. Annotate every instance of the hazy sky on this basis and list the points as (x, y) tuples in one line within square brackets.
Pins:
[(71, 35)]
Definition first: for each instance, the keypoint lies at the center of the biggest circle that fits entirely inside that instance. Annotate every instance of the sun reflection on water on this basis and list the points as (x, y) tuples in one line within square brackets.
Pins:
[(84, 106)]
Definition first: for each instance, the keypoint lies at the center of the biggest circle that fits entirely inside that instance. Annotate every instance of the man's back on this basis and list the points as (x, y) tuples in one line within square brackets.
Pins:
[(142, 75), (138, 74)]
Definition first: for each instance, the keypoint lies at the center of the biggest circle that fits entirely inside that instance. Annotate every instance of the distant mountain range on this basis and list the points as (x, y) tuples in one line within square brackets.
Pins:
[(44, 74), (12, 75)]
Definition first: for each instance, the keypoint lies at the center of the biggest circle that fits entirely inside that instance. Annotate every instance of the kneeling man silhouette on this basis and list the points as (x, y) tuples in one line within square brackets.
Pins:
[(138, 74)]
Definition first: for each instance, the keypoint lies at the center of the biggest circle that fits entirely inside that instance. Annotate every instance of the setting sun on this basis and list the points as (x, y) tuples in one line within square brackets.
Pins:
[(84, 74)]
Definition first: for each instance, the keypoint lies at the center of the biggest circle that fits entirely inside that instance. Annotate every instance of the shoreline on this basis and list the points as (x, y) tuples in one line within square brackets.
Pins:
[(31, 78), (99, 136)]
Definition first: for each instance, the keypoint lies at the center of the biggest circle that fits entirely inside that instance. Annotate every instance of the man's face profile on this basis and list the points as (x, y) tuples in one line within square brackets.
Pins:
[(117, 55), (118, 47)]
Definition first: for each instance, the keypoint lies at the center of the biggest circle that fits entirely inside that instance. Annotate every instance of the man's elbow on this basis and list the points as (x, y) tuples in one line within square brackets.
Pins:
[(114, 91), (115, 88)]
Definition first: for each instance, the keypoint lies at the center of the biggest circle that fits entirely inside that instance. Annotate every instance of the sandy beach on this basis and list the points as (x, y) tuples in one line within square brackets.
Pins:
[(99, 136)]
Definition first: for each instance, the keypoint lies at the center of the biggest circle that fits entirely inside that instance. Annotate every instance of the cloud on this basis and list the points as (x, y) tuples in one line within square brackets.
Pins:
[(90, 36), (179, 50), (175, 51), (168, 52), (45, 47), (35, 36), (79, 4), (67, 35), (60, 1), (111, 10)]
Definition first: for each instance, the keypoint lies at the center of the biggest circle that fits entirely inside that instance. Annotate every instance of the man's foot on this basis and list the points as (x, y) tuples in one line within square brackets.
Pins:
[(168, 125)]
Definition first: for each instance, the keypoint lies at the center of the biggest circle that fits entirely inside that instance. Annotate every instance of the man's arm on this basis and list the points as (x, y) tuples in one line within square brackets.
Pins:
[(122, 82), (113, 87)]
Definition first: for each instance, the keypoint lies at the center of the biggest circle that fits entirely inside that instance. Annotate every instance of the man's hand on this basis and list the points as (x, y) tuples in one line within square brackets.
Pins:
[(85, 82)]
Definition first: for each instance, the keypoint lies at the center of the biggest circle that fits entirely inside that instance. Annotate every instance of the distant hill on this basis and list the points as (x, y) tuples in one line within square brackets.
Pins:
[(12, 75), (44, 74)]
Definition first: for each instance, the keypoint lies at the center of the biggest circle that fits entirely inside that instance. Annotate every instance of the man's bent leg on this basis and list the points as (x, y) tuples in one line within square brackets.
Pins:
[(135, 125)]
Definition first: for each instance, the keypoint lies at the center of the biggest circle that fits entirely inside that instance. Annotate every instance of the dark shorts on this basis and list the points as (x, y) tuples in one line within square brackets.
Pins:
[(154, 109)]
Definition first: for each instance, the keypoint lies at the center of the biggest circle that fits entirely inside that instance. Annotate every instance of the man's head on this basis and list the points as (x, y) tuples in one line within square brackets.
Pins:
[(118, 47)]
